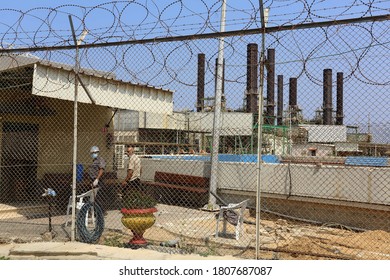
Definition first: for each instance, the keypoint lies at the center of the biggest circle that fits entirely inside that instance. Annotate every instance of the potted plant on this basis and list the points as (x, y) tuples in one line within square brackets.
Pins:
[(138, 208)]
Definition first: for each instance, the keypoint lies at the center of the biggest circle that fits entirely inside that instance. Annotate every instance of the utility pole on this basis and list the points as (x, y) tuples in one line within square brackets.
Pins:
[(264, 20), (75, 115), (217, 111)]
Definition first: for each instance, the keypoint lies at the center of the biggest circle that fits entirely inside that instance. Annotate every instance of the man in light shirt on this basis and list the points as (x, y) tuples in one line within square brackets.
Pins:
[(133, 178)]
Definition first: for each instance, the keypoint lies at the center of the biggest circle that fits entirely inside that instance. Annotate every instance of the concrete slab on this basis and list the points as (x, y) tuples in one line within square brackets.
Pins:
[(19, 210), (83, 251)]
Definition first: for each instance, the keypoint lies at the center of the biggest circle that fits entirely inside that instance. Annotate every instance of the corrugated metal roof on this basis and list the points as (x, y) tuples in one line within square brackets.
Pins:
[(9, 62), (58, 83), (99, 74), (56, 80)]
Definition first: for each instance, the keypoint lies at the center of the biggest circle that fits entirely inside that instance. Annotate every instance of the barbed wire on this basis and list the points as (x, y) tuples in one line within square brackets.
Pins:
[(355, 47), (109, 21)]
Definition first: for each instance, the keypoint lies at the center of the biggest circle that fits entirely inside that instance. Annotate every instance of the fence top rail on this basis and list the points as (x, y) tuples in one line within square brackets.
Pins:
[(233, 33)]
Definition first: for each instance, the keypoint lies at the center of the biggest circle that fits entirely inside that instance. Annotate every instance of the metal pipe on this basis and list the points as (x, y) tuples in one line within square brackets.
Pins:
[(212, 35), (280, 101), (85, 88), (223, 98), (215, 75), (75, 111), (217, 111)]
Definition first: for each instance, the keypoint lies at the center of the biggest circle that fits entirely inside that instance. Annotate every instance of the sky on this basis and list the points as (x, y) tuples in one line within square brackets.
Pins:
[(152, 18), (360, 51)]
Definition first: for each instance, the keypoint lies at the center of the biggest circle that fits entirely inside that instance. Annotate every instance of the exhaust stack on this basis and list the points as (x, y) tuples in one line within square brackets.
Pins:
[(270, 115), (340, 97), (327, 101), (200, 83), (251, 79)]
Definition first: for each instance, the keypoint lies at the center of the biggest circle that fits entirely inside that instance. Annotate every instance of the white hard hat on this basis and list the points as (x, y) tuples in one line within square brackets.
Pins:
[(94, 149)]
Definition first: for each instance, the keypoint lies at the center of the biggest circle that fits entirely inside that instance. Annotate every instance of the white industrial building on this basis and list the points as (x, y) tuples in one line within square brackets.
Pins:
[(177, 130)]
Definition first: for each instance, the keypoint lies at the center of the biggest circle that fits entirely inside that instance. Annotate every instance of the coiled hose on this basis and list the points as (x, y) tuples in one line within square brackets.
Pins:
[(86, 235)]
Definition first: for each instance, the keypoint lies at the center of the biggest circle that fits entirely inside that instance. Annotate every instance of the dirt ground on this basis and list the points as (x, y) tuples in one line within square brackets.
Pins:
[(324, 242), (193, 231), (280, 239)]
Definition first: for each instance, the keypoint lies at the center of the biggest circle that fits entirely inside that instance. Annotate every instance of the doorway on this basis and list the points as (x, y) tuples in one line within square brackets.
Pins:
[(19, 157)]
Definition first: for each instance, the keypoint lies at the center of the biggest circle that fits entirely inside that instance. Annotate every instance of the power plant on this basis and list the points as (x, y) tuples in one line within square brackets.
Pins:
[(287, 132)]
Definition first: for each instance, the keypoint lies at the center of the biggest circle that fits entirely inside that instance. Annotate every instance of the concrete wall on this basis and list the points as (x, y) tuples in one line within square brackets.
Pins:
[(338, 183), (356, 184), (356, 197)]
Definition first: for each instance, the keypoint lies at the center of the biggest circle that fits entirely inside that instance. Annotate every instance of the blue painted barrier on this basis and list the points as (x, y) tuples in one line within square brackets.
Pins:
[(367, 161)]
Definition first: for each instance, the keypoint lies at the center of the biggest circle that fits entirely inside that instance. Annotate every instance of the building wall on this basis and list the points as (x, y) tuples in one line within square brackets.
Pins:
[(232, 123), (55, 137), (321, 150), (127, 120), (91, 121), (326, 133)]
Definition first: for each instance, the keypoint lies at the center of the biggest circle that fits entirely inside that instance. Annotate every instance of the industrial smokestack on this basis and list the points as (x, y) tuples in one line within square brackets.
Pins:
[(270, 115), (340, 97), (293, 93), (327, 103), (200, 85), (251, 78), (280, 100)]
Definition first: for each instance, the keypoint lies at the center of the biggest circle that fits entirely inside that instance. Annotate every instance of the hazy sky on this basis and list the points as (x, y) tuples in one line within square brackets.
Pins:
[(360, 51)]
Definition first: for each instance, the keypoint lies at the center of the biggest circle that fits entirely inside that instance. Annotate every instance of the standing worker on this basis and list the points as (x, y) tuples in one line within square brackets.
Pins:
[(96, 169), (133, 178), (95, 172)]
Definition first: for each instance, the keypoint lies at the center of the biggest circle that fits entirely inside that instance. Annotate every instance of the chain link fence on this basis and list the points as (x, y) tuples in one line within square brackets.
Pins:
[(320, 189)]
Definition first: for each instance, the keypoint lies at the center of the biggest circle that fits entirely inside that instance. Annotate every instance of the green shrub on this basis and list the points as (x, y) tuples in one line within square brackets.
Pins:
[(135, 199)]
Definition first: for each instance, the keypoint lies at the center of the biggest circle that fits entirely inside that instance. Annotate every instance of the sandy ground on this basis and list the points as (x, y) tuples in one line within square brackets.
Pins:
[(193, 231), (280, 239)]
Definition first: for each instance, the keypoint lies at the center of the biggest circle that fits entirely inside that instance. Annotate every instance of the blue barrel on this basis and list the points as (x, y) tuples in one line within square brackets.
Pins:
[(79, 172)]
